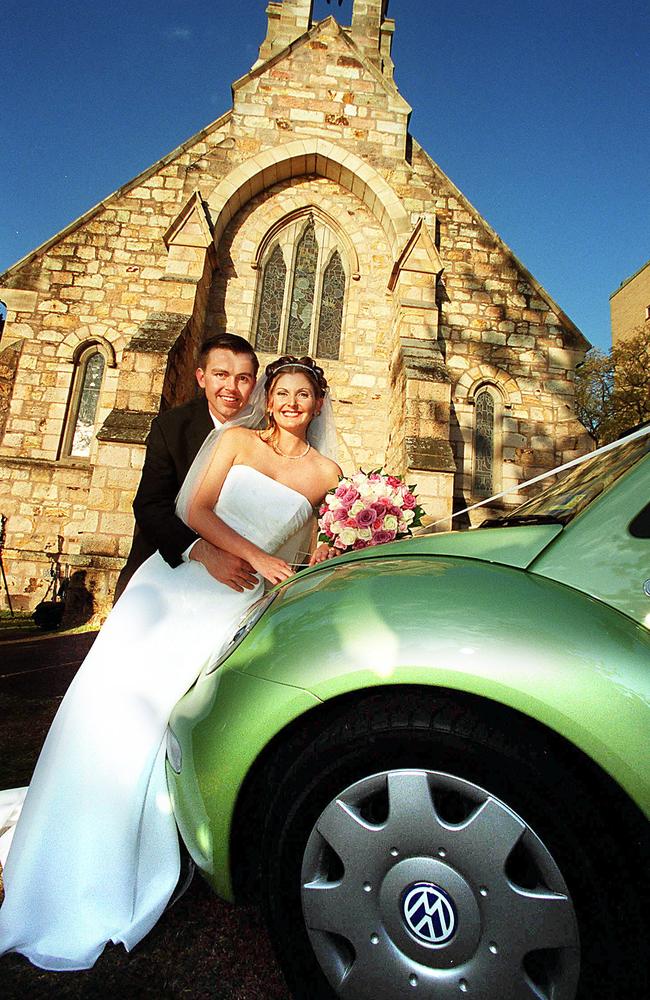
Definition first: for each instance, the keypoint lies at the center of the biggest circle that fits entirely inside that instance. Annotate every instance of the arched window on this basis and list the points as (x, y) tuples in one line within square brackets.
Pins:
[(274, 278), (484, 443), (81, 424), (301, 290), (302, 293), (488, 408), (331, 309)]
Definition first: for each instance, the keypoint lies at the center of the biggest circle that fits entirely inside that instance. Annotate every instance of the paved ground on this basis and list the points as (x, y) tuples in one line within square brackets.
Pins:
[(201, 947)]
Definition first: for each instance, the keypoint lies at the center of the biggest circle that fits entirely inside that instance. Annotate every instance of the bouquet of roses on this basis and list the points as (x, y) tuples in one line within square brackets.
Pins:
[(369, 508)]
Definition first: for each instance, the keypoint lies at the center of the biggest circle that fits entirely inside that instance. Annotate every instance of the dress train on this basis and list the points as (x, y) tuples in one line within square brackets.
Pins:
[(94, 856)]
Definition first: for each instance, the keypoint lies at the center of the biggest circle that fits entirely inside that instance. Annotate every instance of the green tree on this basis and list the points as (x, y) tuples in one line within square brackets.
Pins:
[(613, 390)]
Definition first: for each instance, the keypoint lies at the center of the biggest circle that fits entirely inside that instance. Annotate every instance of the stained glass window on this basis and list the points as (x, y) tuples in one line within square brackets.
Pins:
[(301, 312), (92, 373), (302, 293), (270, 313), (484, 446), (331, 309)]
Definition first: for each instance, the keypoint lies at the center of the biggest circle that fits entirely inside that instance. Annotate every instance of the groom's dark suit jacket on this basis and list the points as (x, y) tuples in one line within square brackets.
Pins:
[(174, 439)]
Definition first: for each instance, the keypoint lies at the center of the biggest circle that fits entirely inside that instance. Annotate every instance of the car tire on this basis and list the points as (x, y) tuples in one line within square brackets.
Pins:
[(534, 858)]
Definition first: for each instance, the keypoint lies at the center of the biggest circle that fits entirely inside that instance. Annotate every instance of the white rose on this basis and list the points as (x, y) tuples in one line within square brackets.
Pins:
[(390, 523), (356, 507), (348, 536), (408, 516), (364, 534)]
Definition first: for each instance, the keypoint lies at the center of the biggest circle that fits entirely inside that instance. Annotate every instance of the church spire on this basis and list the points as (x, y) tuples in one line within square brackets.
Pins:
[(288, 20), (373, 30)]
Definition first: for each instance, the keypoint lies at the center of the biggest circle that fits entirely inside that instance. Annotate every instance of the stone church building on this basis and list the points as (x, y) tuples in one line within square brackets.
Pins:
[(307, 219)]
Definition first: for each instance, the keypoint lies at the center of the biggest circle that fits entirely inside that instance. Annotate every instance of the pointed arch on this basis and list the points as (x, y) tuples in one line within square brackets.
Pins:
[(301, 290), (320, 216), (78, 340), (311, 155)]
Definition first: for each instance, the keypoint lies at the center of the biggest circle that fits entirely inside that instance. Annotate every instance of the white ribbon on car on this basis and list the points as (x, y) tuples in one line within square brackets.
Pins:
[(544, 475)]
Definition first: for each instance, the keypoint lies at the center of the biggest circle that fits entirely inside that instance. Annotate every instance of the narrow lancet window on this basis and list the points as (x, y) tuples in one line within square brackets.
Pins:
[(331, 309), (89, 384), (484, 443), (302, 293), (270, 313)]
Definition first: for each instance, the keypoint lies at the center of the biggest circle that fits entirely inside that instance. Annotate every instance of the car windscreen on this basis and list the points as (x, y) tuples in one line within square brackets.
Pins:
[(574, 489)]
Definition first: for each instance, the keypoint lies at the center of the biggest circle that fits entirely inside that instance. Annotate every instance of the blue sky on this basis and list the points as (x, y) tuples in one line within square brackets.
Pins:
[(538, 111)]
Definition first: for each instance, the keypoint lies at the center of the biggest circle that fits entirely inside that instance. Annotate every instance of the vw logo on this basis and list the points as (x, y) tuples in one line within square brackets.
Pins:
[(429, 913)]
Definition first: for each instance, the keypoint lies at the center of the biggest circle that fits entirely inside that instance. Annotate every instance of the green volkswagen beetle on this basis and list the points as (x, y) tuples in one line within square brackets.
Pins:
[(430, 759)]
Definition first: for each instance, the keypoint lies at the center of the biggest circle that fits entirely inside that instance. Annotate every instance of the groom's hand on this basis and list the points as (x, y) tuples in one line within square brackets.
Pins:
[(224, 566)]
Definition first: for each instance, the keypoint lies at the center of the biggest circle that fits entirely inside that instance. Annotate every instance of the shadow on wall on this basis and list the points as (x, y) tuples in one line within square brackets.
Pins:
[(78, 603), (72, 604)]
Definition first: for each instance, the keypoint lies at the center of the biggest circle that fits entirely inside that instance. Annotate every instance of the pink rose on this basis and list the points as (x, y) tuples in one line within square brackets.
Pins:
[(409, 501), (360, 544), (380, 537), (348, 497), (351, 522), (393, 481), (367, 517), (338, 544), (340, 514)]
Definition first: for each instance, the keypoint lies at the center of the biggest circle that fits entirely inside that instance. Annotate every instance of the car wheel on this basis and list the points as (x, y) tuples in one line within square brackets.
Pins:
[(424, 852)]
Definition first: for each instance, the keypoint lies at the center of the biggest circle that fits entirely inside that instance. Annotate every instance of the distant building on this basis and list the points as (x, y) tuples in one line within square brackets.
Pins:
[(630, 306), (307, 219)]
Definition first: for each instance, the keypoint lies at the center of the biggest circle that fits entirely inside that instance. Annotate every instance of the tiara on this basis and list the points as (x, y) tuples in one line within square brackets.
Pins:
[(294, 364)]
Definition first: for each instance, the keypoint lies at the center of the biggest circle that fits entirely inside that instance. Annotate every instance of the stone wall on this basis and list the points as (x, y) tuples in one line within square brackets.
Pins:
[(99, 282), (436, 305), (359, 379)]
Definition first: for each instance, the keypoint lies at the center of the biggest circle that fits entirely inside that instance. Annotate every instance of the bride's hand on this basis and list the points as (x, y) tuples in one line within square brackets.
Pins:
[(271, 568), (322, 553)]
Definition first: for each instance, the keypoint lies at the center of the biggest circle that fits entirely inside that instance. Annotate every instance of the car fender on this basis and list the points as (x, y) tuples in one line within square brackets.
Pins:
[(537, 646)]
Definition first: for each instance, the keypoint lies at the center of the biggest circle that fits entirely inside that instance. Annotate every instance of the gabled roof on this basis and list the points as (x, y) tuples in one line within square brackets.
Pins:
[(124, 189), (328, 26), (541, 291)]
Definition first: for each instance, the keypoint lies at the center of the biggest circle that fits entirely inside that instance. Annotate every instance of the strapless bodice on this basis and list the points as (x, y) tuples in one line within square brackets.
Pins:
[(264, 511)]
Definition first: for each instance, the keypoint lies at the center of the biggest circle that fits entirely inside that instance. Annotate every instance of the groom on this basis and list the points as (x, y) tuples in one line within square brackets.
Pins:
[(227, 371)]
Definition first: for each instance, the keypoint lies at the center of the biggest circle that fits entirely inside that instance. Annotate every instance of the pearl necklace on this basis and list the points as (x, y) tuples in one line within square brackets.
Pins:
[(292, 458)]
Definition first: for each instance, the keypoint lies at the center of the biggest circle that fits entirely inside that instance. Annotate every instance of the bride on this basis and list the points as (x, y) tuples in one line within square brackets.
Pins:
[(94, 856)]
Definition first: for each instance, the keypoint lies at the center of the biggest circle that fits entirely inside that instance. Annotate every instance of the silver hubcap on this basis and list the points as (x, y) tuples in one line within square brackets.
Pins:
[(417, 883)]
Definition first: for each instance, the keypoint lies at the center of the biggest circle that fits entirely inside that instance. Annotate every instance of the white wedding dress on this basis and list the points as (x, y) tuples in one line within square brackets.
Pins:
[(94, 856)]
